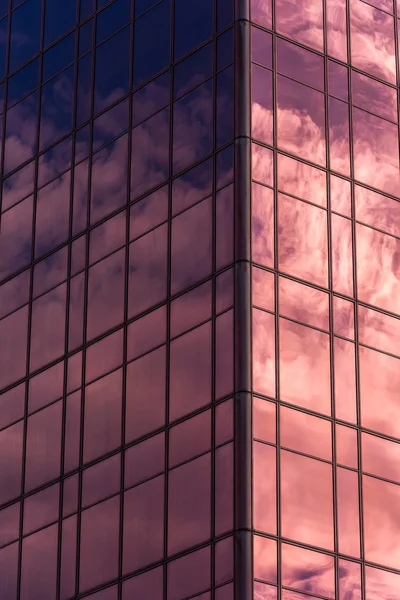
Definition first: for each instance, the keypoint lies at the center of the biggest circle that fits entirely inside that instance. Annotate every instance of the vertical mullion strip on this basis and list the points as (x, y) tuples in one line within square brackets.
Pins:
[(85, 309), (3, 127), (125, 327), (30, 305), (243, 556), (168, 307), (67, 315), (213, 357), (276, 288), (330, 298), (356, 347)]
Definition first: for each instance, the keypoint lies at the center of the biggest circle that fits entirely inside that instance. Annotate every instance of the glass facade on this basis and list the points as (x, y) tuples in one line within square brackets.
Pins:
[(116, 299), (199, 300), (325, 294)]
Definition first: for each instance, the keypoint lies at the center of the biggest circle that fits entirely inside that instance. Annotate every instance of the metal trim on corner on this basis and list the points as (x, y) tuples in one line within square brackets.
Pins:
[(242, 333)]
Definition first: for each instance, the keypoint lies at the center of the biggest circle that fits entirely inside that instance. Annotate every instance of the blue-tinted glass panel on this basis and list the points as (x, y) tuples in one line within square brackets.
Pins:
[(150, 98), (112, 18), (225, 49), (192, 71), (85, 37), (59, 18), (142, 5), (83, 101), (225, 11), (112, 69), (3, 46), (26, 25), (3, 7), (57, 107), (23, 82), (58, 57), (151, 43), (193, 24), (86, 8), (224, 107)]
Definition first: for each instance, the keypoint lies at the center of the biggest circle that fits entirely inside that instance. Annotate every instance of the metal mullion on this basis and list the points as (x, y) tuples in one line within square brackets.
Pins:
[(30, 310), (3, 126), (334, 497), (166, 427), (213, 356), (355, 294), (85, 311), (67, 315), (243, 553), (126, 314), (276, 269)]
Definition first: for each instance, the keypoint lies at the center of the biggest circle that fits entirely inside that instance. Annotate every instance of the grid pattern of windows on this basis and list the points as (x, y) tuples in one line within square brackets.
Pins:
[(325, 292), (116, 300)]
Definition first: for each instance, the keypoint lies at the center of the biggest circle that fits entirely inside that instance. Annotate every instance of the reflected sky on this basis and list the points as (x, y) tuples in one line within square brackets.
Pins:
[(326, 329)]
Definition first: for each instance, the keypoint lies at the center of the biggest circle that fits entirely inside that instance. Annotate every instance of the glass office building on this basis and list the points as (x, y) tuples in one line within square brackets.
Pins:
[(199, 300)]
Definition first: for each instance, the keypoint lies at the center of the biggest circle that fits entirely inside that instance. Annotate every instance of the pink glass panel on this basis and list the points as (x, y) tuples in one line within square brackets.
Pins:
[(377, 210), (144, 460), (189, 574), (301, 120), (263, 289), (340, 195), (305, 433), (262, 104), (303, 303), (311, 520), (372, 29), (264, 420), (348, 512), (336, 25), (378, 275), (143, 525), (346, 446), (349, 580), (261, 47), (338, 81), (343, 317), (190, 365), (302, 240), (381, 584), (376, 152), (263, 225), (345, 380), (265, 559), (145, 394), (103, 414), (339, 143), (99, 544), (374, 96), (379, 386), (380, 457), (307, 570), (224, 489), (378, 330), (264, 487), (301, 22), (381, 523), (263, 591), (263, 353), (301, 180), (262, 164), (304, 367), (342, 259), (147, 333), (298, 63), (261, 12), (189, 504)]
